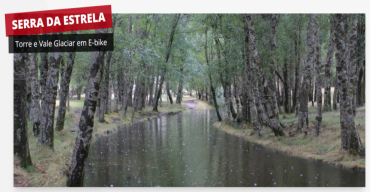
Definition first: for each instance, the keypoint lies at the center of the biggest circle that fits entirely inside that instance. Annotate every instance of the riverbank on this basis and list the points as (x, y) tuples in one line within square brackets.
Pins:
[(325, 148), (50, 167)]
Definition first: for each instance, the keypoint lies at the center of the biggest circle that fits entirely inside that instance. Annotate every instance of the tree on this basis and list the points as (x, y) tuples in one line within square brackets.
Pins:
[(64, 89), (349, 135), (274, 124), (304, 92), (318, 77), (35, 106), (167, 56), (48, 103), (85, 127), (20, 119), (328, 64)]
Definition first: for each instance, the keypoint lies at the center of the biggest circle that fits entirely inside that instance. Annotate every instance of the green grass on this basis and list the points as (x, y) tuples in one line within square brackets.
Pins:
[(326, 147)]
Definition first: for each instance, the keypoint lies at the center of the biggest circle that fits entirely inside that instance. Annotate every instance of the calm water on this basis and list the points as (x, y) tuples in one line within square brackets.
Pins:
[(185, 150)]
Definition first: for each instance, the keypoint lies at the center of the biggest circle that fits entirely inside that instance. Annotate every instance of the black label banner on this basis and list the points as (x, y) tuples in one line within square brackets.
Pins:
[(61, 43)]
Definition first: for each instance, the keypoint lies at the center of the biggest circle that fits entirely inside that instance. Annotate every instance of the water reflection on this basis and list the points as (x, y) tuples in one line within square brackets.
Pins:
[(184, 150)]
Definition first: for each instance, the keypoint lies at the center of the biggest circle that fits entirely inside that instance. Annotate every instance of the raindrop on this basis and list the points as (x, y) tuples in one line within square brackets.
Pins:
[(274, 183), (301, 175), (255, 184), (270, 173), (315, 177), (292, 167), (111, 185)]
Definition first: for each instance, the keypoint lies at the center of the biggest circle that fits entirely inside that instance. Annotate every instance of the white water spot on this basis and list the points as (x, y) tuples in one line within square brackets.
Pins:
[(255, 184), (270, 173), (301, 175), (274, 183), (111, 185), (292, 167)]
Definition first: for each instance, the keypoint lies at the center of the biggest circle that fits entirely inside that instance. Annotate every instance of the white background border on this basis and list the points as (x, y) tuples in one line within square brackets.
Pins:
[(149, 6)]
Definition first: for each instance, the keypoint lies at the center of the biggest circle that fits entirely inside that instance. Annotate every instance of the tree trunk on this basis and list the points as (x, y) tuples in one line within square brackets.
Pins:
[(353, 59), (274, 124), (43, 67), (68, 98), (78, 92), (286, 88), (151, 86), (109, 105), (64, 86), (82, 144), (168, 52), (116, 90), (349, 135), (35, 107), (361, 61), (237, 101), (297, 62), (307, 76), (21, 148), (248, 85), (169, 92), (335, 95), (210, 80), (179, 91), (104, 88), (328, 64), (48, 103), (156, 87), (318, 77), (272, 83)]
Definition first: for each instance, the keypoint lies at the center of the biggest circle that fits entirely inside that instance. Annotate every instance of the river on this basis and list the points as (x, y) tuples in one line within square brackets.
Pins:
[(185, 150)]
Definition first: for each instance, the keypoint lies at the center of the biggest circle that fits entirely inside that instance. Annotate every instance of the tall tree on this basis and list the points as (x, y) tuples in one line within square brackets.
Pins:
[(305, 88), (85, 127), (43, 68), (274, 124), (179, 90), (64, 89), (35, 106), (20, 119), (349, 135), (167, 56), (273, 31), (318, 77), (210, 78), (48, 103), (328, 64)]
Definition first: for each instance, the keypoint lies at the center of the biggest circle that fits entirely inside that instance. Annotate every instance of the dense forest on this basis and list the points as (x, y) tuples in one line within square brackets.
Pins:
[(253, 68)]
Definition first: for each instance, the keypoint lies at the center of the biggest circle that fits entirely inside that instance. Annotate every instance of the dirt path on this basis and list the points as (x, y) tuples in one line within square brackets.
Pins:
[(190, 104)]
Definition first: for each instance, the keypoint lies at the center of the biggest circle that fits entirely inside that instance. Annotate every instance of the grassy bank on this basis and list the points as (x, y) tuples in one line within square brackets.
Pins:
[(326, 147), (48, 165)]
